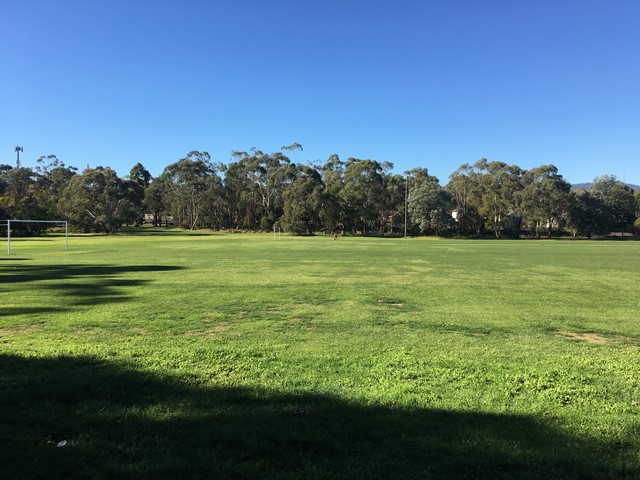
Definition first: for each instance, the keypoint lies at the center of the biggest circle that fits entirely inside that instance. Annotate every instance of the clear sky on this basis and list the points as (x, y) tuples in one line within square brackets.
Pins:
[(432, 83)]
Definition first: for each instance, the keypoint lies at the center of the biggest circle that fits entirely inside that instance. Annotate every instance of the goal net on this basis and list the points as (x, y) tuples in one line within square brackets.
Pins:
[(8, 223)]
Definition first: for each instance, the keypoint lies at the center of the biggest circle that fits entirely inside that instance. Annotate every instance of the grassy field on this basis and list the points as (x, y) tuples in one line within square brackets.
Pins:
[(176, 355)]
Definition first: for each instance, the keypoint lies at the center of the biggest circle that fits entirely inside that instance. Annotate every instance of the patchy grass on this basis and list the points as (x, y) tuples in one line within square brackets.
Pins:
[(243, 356), (586, 337)]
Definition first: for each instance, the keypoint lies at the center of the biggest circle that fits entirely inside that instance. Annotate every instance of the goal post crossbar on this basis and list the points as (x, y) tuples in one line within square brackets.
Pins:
[(59, 222)]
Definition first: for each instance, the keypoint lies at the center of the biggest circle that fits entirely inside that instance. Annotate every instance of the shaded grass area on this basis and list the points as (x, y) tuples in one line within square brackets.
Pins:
[(119, 422), (74, 285), (249, 356)]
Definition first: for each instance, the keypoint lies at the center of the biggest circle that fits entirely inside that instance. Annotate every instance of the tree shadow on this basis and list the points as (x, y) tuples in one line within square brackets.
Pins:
[(121, 423), (36, 273), (165, 232), (79, 284), (10, 311), (98, 291)]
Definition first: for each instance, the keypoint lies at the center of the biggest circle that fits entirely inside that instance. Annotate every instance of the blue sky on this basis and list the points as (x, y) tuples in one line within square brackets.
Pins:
[(430, 84)]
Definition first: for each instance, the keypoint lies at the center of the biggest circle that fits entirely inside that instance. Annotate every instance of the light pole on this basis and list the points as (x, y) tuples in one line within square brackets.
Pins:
[(18, 150), (406, 189)]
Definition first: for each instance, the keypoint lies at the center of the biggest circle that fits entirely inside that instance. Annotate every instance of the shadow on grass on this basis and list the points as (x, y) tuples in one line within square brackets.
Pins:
[(163, 232), (8, 311), (121, 423), (79, 284), (36, 273)]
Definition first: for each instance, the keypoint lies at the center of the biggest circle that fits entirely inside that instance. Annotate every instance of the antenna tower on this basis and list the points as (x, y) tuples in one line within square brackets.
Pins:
[(18, 150)]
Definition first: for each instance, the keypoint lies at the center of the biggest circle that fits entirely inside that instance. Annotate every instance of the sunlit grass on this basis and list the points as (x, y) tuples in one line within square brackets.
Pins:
[(318, 358)]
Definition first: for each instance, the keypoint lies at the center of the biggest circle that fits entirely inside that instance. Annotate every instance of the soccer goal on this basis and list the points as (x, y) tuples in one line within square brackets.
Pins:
[(8, 223)]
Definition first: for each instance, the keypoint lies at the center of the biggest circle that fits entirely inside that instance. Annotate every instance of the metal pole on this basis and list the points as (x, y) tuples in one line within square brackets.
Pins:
[(8, 237), (66, 236), (406, 183)]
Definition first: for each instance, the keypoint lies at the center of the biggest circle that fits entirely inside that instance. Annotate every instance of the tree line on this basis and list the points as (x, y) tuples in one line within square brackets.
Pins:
[(258, 191)]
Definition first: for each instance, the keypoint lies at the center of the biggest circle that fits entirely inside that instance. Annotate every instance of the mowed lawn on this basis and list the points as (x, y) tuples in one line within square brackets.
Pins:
[(174, 355)]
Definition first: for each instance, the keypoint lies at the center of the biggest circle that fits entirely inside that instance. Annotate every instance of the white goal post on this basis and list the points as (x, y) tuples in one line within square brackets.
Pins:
[(58, 222)]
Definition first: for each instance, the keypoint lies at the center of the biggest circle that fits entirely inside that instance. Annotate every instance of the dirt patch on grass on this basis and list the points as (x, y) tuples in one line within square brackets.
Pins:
[(212, 331), (478, 334), (21, 330), (392, 303), (593, 338)]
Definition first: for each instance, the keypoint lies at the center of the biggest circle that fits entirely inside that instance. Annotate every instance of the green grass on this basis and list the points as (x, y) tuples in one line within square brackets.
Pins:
[(176, 355)]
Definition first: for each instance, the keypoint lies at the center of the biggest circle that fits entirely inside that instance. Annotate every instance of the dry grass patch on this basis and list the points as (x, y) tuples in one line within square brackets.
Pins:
[(593, 338), (20, 330)]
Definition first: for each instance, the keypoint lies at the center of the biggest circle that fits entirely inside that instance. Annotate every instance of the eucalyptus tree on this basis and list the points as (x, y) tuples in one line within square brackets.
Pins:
[(498, 187), (303, 202), (618, 201), (332, 212), (392, 205), (429, 204), (268, 176), (191, 186), (53, 173), (3, 189), (636, 223), (98, 200), (294, 148), (464, 187), (544, 198), (140, 175), (395, 201), (364, 193), (241, 196), (154, 200), (22, 197), (487, 196), (29, 194), (52, 177), (586, 214), (139, 180), (19, 182), (216, 204)]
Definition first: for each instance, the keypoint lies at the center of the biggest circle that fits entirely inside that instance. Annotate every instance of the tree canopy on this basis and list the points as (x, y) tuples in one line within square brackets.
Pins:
[(261, 191)]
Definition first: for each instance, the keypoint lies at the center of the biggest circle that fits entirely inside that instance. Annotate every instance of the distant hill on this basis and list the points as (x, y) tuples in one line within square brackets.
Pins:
[(587, 186)]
